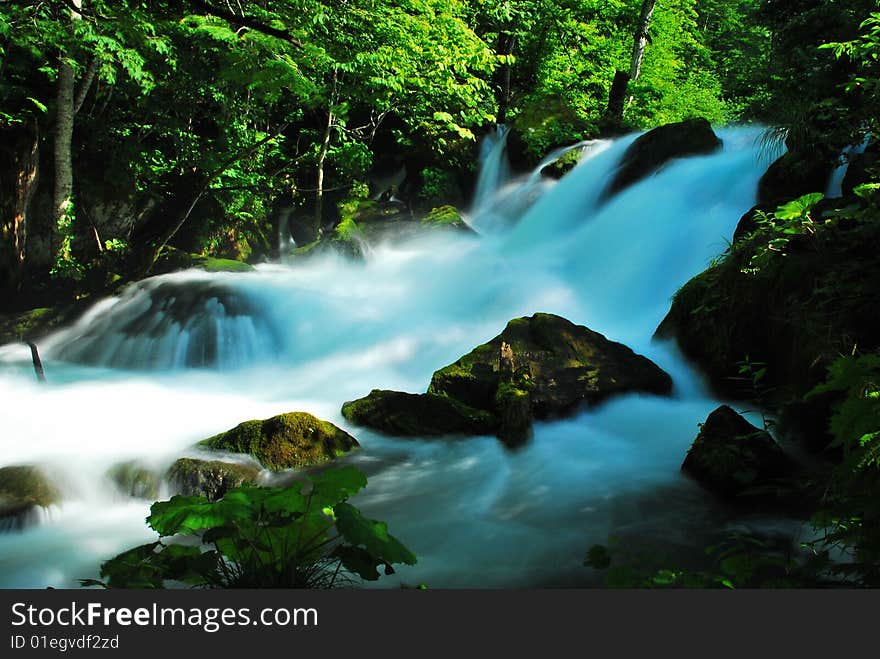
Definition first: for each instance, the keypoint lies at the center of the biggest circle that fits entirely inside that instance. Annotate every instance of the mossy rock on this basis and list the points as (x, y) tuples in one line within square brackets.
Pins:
[(295, 439), (34, 323), (794, 314), (649, 152), (213, 264), (514, 407), (172, 260), (23, 488), (135, 480), (398, 413), (732, 458), (444, 217), (209, 478), (563, 164), (567, 364)]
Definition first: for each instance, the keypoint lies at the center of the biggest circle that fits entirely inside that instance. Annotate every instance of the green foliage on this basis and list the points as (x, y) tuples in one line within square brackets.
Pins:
[(850, 512), (739, 560), (779, 228), (303, 536)]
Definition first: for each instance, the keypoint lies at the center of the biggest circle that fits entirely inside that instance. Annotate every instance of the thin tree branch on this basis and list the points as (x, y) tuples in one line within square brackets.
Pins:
[(86, 84), (249, 22)]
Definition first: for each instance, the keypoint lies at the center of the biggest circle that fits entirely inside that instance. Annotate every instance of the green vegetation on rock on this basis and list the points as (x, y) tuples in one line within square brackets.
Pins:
[(295, 439), (22, 487), (209, 478)]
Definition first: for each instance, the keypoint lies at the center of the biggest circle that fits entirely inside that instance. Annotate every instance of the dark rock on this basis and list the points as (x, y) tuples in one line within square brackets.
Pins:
[(514, 408), (135, 480), (793, 175), (567, 365), (295, 439), (209, 478), (655, 148), (23, 490), (747, 223), (398, 413), (563, 164), (731, 458)]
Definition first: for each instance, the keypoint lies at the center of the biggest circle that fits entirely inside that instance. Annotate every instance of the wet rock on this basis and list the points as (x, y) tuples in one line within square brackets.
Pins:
[(295, 439), (657, 147), (24, 489), (793, 175), (135, 480), (566, 364), (731, 458), (209, 478), (398, 413)]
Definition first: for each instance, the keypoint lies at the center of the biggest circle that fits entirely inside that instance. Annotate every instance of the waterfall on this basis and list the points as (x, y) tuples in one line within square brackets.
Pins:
[(177, 358), (494, 168), (835, 183)]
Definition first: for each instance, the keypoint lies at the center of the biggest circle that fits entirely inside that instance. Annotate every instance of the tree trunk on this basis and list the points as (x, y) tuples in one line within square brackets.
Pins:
[(19, 173), (640, 41), (25, 185), (506, 46), (322, 157), (616, 97), (62, 205)]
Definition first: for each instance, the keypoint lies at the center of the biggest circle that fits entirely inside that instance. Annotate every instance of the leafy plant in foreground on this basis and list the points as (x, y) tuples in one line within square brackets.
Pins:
[(303, 536)]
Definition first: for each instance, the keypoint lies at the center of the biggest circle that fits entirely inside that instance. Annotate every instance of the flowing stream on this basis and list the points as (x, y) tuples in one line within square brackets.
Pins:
[(177, 358)]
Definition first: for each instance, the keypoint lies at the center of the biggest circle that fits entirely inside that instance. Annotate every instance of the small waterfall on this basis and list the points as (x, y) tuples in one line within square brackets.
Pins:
[(835, 183), (499, 210), (494, 169), (168, 323)]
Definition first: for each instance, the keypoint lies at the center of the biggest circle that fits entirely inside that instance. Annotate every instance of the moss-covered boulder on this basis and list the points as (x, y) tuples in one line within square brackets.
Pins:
[(566, 364), (295, 439), (444, 217), (398, 413), (135, 480), (657, 147), (24, 489), (172, 259), (209, 478), (732, 458), (563, 164)]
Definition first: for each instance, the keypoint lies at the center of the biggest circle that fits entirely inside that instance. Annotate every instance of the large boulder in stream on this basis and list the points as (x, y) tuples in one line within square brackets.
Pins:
[(538, 367), (24, 489), (209, 478), (732, 458), (295, 439), (398, 413), (693, 137), (562, 364)]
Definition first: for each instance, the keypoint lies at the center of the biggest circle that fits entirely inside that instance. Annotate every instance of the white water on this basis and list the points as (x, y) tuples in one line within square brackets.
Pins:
[(310, 337)]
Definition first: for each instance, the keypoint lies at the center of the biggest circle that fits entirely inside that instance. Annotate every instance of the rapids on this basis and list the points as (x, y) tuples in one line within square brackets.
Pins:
[(179, 357)]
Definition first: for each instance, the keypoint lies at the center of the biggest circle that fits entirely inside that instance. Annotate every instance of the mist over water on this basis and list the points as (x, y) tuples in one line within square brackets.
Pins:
[(180, 357)]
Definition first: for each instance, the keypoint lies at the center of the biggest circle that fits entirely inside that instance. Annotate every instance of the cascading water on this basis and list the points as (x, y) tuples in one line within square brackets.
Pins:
[(311, 336)]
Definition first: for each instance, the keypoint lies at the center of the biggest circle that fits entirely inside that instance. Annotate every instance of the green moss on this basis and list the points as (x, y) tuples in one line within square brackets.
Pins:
[(135, 480), (209, 478), (28, 324), (443, 216), (296, 439), (212, 264), (24, 486)]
